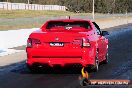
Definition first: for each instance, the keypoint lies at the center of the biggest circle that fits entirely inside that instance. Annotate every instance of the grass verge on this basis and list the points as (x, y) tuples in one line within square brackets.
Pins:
[(31, 13), (21, 19)]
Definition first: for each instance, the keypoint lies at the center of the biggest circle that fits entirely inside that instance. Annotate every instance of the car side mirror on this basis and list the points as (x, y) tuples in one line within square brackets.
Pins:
[(105, 33)]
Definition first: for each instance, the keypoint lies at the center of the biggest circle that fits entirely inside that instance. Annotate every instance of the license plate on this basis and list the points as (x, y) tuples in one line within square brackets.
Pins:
[(56, 44)]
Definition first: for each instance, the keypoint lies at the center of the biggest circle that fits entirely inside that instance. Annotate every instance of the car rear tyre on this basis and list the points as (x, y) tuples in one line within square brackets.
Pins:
[(106, 58), (96, 66)]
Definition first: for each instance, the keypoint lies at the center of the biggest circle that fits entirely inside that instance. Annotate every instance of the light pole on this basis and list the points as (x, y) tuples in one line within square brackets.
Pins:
[(28, 4), (93, 10), (114, 7), (7, 4), (126, 17)]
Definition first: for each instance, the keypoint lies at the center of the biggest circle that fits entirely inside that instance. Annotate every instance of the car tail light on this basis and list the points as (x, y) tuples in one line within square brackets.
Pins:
[(29, 42), (77, 42), (85, 43), (32, 41)]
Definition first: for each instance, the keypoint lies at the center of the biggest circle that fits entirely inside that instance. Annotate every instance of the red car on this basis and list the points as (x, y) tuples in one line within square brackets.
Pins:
[(67, 42)]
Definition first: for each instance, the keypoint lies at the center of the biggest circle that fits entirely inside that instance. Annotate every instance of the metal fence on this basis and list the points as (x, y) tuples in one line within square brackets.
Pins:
[(23, 6)]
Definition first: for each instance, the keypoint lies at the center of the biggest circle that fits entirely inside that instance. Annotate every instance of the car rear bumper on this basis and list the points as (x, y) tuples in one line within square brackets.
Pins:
[(83, 57)]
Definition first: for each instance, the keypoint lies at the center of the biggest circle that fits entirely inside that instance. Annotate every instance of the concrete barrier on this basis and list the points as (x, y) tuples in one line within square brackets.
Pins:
[(14, 38), (107, 23)]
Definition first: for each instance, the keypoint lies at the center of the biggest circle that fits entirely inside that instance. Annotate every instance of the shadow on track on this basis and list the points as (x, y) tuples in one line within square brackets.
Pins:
[(22, 69)]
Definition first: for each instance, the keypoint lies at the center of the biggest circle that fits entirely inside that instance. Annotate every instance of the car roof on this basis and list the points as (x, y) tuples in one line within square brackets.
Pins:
[(69, 20)]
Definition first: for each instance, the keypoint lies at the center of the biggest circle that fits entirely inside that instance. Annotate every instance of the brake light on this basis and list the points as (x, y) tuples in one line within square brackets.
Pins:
[(29, 42), (77, 42), (32, 41), (85, 43), (36, 41)]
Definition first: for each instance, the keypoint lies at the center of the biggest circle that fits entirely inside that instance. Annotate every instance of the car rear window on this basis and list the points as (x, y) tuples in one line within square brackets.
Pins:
[(68, 25)]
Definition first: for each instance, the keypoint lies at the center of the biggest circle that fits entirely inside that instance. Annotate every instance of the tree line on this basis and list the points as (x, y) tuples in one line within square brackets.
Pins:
[(101, 6)]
